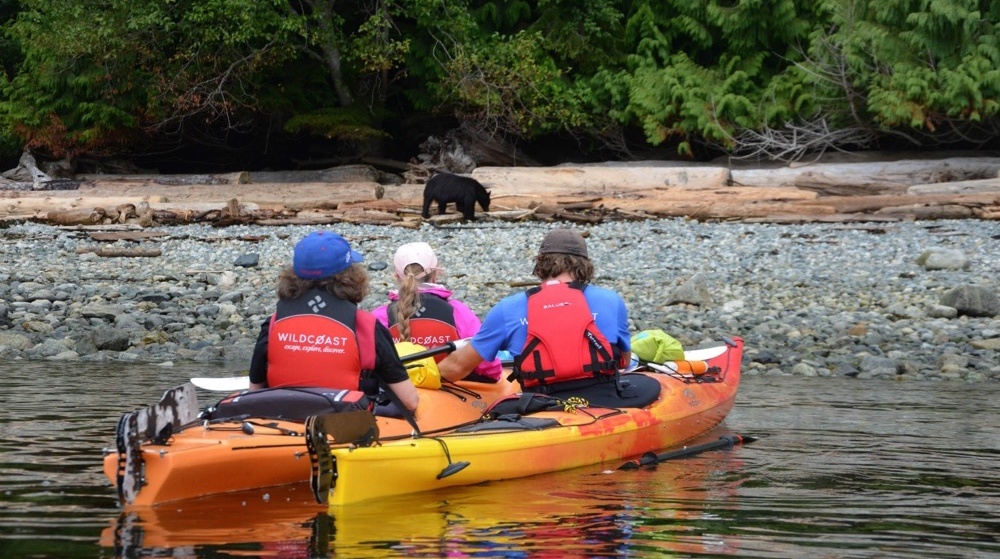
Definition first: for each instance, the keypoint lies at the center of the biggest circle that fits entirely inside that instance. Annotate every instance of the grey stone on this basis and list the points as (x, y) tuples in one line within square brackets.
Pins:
[(879, 367), (692, 292), (942, 311), (989, 344), (248, 260), (15, 341), (943, 259), (101, 312), (111, 339), (972, 300)]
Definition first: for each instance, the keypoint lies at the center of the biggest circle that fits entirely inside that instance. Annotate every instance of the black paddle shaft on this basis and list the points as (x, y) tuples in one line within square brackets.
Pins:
[(446, 348), (651, 459)]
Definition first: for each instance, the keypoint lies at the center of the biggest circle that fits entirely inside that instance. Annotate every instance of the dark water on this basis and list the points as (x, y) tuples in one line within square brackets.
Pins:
[(843, 468)]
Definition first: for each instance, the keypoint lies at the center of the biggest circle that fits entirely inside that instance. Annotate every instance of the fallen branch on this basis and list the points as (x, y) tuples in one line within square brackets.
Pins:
[(111, 252)]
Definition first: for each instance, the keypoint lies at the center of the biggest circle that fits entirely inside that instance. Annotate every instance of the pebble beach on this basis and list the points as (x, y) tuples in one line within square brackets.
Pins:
[(904, 300)]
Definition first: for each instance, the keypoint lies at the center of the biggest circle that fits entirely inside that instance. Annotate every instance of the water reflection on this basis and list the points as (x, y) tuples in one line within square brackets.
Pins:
[(844, 468), (596, 514)]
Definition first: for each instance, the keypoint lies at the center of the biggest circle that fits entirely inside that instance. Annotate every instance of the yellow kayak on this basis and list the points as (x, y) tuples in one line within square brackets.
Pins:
[(517, 445)]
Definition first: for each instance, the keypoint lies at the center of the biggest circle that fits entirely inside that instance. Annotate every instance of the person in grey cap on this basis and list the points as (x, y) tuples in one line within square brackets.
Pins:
[(565, 332)]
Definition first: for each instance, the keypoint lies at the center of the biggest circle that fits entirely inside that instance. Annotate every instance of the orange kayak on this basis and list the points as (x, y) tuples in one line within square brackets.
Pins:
[(469, 433), (169, 452)]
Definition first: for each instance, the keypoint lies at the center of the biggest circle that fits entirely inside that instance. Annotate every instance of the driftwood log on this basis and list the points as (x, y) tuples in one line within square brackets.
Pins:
[(127, 252), (876, 191)]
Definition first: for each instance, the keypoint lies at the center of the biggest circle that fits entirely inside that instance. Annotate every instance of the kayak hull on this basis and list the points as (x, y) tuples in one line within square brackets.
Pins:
[(205, 458), (589, 436)]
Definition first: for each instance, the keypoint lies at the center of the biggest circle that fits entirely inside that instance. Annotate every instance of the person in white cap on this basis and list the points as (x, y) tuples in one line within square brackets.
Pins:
[(318, 337), (424, 312)]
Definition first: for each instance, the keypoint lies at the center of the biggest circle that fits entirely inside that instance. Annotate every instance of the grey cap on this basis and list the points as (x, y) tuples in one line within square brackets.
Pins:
[(564, 241)]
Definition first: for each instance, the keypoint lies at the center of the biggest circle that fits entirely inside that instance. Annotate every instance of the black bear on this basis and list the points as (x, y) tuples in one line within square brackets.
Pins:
[(463, 191)]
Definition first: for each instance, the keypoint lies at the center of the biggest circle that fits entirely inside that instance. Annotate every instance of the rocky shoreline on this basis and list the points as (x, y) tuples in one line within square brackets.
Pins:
[(905, 300)]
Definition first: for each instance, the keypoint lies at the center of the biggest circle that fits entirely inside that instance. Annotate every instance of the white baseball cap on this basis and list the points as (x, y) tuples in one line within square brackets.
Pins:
[(415, 253)]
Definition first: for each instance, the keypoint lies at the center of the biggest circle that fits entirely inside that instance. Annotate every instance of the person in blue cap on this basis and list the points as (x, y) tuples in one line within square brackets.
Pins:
[(318, 336)]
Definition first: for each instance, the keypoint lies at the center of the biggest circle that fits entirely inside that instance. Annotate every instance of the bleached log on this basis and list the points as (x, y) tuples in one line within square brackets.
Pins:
[(983, 186), (824, 218), (895, 175), (603, 179), (43, 204), (930, 211), (857, 204), (987, 212), (240, 177)]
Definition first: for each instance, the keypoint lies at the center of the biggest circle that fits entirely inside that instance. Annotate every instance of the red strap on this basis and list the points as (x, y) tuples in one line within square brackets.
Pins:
[(364, 330)]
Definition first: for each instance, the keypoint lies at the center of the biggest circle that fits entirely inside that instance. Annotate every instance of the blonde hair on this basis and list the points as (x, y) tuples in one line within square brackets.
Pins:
[(409, 296), (349, 285)]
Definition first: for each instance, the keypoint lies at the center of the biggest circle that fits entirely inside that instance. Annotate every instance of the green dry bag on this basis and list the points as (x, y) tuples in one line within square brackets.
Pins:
[(656, 346)]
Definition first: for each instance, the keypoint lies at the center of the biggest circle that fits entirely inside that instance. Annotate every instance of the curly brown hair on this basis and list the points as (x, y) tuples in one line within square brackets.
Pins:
[(552, 264), (349, 285)]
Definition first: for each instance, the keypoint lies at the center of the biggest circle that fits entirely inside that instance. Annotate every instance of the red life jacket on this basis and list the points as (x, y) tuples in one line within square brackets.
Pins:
[(563, 343), (432, 325), (319, 340)]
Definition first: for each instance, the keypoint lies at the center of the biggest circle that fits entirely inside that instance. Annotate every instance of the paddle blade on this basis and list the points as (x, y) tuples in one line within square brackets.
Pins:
[(222, 384), (320, 459), (176, 408), (351, 427), (648, 459)]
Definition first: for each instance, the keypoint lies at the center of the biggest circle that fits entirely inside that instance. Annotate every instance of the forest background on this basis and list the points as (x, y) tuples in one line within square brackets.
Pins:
[(218, 85)]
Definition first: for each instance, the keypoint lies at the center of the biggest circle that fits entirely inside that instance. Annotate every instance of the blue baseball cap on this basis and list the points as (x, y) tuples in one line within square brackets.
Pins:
[(323, 254)]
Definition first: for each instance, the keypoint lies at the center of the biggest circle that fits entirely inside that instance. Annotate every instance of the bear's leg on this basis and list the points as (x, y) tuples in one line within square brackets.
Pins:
[(442, 206), (469, 209), (426, 213)]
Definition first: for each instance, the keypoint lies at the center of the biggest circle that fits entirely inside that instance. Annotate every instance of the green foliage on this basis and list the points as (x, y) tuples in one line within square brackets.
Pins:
[(503, 16), (508, 85), (914, 64), (437, 29), (703, 70), (944, 64), (347, 124), (583, 35), (97, 76), (85, 77)]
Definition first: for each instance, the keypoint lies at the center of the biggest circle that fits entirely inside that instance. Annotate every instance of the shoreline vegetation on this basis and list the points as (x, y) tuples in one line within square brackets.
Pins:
[(842, 188)]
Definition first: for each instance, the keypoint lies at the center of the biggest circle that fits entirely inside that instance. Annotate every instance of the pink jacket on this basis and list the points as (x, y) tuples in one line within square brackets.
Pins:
[(466, 322)]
